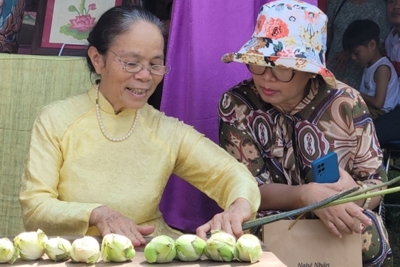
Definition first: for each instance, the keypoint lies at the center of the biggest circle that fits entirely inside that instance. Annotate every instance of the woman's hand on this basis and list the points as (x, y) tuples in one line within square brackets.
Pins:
[(344, 218), (340, 60), (110, 221), (229, 221)]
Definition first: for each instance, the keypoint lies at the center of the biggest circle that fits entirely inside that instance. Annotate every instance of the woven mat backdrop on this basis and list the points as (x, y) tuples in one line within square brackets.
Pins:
[(27, 83)]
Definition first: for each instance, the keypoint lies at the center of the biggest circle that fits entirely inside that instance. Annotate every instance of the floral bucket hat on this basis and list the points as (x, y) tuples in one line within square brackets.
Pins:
[(288, 33)]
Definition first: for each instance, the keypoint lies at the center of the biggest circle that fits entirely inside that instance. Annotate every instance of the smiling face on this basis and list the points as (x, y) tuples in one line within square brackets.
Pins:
[(143, 43), (285, 96)]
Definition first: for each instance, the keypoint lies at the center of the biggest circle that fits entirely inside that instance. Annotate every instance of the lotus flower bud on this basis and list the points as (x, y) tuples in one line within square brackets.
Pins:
[(31, 244), (85, 249), (57, 249), (220, 246), (160, 249), (117, 248), (8, 253), (189, 247), (248, 248)]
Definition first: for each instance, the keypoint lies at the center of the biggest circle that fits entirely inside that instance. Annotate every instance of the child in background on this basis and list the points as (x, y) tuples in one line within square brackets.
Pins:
[(392, 43), (379, 85), (391, 120)]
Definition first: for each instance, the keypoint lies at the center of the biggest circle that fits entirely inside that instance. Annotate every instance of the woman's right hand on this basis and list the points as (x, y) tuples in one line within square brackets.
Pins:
[(109, 221)]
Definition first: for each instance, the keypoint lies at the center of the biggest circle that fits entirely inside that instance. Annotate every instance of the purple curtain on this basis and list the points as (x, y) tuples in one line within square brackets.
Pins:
[(201, 32)]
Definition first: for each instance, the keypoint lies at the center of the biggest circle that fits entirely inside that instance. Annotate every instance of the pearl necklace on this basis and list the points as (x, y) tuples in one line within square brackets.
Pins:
[(103, 130)]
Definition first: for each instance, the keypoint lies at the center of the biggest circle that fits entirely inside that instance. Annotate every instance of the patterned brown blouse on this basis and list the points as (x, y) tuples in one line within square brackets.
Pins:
[(279, 147)]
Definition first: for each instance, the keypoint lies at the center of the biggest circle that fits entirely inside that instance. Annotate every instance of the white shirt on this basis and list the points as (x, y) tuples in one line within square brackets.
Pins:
[(368, 85), (392, 46)]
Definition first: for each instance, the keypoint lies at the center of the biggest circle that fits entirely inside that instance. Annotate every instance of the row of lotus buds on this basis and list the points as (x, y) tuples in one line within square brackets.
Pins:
[(220, 246), (33, 245)]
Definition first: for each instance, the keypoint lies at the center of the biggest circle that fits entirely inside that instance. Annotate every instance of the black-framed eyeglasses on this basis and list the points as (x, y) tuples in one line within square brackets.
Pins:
[(281, 74), (134, 67)]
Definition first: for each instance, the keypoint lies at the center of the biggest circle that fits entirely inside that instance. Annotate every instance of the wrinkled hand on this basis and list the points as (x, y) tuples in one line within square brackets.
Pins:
[(229, 221), (109, 221), (340, 60), (340, 219)]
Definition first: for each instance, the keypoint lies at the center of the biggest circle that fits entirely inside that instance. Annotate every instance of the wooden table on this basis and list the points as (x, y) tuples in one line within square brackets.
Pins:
[(268, 259)]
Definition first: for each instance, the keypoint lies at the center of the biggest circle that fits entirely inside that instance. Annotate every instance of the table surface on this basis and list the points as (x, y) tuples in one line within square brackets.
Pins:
[(268, 259)]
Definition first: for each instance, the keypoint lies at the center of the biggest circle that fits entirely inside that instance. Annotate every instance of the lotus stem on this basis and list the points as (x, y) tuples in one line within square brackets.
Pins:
[(347, 199), (378, 186), (283, 215), (345, 196)]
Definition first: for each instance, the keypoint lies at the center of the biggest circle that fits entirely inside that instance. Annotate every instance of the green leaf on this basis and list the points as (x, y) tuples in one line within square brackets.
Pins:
[(72, 8), (74, 33)]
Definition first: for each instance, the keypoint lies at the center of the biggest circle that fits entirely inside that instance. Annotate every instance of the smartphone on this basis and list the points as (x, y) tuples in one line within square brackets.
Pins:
[(326, 169)]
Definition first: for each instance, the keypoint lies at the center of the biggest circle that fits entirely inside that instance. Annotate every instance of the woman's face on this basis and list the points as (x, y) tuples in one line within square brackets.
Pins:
[(393, 11), (143, 43), (286, 96)]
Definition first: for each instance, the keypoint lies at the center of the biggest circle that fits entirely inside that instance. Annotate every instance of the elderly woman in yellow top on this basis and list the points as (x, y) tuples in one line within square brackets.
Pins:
[(98, 162)]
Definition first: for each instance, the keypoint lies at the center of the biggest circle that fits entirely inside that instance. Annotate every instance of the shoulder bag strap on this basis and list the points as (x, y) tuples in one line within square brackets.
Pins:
[(338, 10)]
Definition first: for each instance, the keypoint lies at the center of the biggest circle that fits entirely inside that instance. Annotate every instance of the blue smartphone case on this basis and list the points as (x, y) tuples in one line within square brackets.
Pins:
[(326, 169)]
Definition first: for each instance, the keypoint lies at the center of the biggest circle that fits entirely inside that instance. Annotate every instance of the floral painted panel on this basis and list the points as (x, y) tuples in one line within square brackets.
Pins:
[(69, 22)]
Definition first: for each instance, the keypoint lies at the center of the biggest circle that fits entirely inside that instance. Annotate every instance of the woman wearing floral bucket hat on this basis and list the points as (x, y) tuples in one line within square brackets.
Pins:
[(293, 112)]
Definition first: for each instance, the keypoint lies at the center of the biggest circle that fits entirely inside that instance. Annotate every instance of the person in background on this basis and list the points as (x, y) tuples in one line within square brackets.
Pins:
[(98, 162), (292, 112), (341, 13), (379, 85), (391, 120), (392, 42)]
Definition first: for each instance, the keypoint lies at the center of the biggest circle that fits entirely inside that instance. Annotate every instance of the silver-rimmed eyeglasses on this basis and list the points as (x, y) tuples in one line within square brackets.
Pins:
[(281, 74), (134, 67)]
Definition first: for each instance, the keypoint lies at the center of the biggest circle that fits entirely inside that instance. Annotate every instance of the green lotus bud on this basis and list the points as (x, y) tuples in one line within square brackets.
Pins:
[(160, 249), (31, 244), (8, 253), (220, 246), (116, 248), (85, 249), (248, 248), (189, 247), (57, 249)]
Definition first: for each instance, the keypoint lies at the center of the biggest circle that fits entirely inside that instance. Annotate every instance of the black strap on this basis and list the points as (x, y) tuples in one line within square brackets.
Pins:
[(337, 11), (331, 30)]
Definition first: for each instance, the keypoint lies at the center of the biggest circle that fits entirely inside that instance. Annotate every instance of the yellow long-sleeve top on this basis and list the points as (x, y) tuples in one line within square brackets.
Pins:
[(71, 168)]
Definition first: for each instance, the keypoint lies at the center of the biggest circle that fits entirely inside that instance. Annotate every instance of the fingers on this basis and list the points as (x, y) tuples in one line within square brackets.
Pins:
[(344, 219), (110, 221), (201, 231), (228, 222)]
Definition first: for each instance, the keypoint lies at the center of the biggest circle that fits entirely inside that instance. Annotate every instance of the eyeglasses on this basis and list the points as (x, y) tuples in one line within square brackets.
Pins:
[(281, 74), (134, 67)]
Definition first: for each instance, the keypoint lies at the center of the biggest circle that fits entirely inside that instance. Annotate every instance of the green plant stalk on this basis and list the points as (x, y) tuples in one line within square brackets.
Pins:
[(378, 186), (283, 215), (346, 196), (347, 199)]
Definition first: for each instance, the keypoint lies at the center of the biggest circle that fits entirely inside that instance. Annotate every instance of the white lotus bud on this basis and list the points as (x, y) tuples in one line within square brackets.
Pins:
[(189, 247), (85, 249), (8, 253), (57, 249), (31, 244), (220, 246), (160, 249), (116, 248), (248, 248)]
